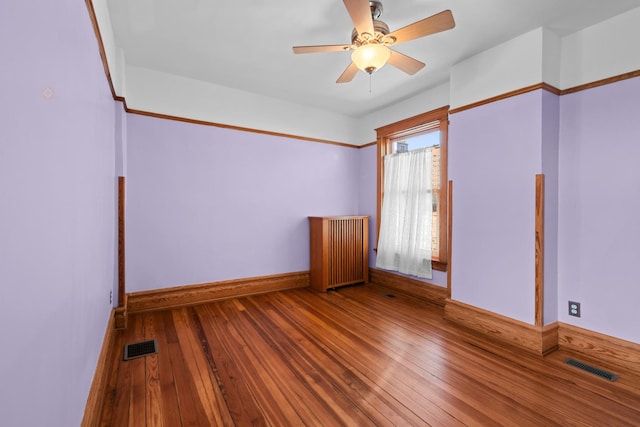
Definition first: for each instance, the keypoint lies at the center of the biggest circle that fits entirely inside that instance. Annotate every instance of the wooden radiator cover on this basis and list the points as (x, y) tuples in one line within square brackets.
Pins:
[(339, 251)]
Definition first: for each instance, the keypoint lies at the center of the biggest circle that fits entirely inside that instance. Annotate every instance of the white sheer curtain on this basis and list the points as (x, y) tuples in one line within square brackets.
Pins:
[(404, 244)]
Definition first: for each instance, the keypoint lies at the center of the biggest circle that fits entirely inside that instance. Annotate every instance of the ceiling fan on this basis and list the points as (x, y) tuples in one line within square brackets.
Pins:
[(371, 39)]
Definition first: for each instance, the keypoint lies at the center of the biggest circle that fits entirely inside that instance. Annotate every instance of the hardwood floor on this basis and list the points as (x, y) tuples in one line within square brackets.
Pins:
[(356, 356)]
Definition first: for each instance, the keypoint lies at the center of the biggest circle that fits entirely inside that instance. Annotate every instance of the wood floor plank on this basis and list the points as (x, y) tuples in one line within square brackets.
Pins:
[(223, 343), (358, 355), (454, 394), (290, 369), (137, 410), (153, 395), (112, 380), (168, 391), (474, 391), (207, 385), (379, 406), (377, 366), (400, 352), (505, 384), (265, 380), (119, 413), (187, 374), (193, 361)]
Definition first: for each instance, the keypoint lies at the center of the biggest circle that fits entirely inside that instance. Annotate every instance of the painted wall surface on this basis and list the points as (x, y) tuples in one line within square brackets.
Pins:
[(599, 231), (114, 54), (603, 50), (549, 154), (155, 91), (551, 57), (367, 194), (120, 142), (509, 66), (420, 103), (57, 222), (207, 204), (494, 155)]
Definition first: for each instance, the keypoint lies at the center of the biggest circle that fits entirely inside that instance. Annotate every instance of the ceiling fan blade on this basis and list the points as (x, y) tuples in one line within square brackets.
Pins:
[(321, 48), (405, 63), (434, 24), (360, 13), (348, 74)]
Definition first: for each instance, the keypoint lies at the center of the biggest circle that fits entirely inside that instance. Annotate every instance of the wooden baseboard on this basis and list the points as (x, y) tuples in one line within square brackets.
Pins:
[(610, 351), (121, 314), (197, 294), (120, 318), (95, 400), (417, 288), (540, 340)]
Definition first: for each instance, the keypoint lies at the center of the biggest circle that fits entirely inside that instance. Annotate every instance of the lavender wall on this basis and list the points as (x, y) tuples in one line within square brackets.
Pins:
[(120, 146), (57, 222), (207, 204), (550, 150), (367, 197), (599, 231), (494, 155)]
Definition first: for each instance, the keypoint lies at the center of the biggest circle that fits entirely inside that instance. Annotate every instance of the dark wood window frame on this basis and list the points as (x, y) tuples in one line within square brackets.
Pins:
[(413, 126)]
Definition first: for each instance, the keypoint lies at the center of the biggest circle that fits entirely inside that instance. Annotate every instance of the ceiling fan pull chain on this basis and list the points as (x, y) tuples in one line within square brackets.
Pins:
[(370, 82)]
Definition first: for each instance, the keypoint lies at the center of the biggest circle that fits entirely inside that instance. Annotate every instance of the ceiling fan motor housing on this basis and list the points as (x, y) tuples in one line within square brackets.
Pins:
[(370, 47), (380, 30)]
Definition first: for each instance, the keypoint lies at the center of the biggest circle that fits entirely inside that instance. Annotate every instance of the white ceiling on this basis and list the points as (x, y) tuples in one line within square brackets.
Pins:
[(246, 44)]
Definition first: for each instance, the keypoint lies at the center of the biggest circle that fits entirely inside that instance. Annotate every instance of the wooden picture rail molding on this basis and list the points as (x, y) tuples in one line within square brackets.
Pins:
[(536, 339), (116, 97), (545, 86), (181, 296), (506, 95), (417, 288)]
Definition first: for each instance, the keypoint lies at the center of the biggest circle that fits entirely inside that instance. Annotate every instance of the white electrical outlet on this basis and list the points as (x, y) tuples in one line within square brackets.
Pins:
[(574, 308)]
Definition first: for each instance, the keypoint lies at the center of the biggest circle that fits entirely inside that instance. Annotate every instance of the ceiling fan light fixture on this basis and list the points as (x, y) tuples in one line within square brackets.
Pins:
[(370, 57)]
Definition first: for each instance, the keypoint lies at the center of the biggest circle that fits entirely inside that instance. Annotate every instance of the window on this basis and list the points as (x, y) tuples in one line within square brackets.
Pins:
[(431, 138), (428, 129)]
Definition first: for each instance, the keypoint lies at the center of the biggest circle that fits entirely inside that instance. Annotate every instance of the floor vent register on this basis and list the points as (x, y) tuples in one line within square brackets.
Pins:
[(140, 349)]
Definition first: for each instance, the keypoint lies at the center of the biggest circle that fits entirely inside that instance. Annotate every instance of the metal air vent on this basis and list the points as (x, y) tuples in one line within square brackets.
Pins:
[(591, 369), (144, 348)]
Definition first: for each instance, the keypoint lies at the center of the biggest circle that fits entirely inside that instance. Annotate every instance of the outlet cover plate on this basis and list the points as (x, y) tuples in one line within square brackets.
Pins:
[(574, 308)]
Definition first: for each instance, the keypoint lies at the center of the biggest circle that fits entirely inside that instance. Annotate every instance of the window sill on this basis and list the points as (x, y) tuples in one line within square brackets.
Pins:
[(438, 265)]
